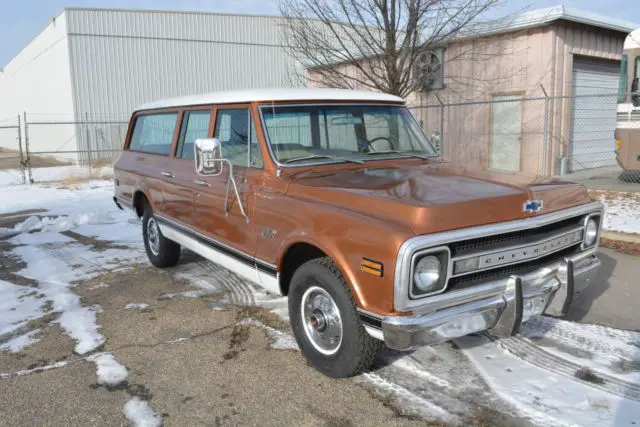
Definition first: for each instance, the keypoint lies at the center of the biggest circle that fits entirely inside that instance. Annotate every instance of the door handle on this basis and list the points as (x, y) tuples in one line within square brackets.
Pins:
[(199, 182), (167, 174)]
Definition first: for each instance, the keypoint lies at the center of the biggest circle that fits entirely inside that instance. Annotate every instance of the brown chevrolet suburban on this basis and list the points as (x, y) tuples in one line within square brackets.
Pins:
[(337, 199)]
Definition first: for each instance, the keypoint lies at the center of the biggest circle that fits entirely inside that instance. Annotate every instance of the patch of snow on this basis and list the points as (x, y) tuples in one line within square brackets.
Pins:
[(599, 348), (54, 276), (276, 304), (189, 294), (54, 173), (110, 372), (138, 306), (40, 238), (280, 340), (38, 369), (20, 342), (195, 278), (220, 305), (140, 414), (622, 211), (18, 305), (545, 398), (6, 232), (98, 286), (31, 223), (408, 402), (407, 364)]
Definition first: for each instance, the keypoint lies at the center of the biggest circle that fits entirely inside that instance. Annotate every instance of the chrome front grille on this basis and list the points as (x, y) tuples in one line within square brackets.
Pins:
[(500, 256), (515, 238), (461, 282)]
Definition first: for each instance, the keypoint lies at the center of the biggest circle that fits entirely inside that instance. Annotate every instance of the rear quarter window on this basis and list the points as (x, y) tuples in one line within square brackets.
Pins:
[(153, 133)]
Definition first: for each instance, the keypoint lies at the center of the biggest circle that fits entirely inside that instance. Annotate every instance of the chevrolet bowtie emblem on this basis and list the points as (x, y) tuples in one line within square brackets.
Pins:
[(532, 206)]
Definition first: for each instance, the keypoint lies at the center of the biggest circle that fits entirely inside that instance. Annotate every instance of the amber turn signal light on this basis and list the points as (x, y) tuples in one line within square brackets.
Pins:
[(372, 267), (618, 144)]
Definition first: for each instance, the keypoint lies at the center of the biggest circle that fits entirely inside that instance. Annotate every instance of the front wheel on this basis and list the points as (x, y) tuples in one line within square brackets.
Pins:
[(325, 321)]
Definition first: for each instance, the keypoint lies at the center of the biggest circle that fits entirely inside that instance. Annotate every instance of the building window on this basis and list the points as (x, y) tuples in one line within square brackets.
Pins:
[(153, 133)]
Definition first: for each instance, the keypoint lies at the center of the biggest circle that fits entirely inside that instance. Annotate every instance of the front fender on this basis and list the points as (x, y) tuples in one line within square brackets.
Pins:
[(347, 238)]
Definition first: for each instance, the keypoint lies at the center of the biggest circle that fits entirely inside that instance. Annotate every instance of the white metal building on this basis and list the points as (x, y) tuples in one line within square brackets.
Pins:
[(96, 65)]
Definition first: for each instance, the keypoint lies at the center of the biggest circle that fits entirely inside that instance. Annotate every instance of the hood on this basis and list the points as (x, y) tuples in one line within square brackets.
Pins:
[(429, 198)]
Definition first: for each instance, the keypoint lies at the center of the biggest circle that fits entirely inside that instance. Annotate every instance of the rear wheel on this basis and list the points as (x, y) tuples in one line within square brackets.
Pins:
[(325, 321), (161, 251)]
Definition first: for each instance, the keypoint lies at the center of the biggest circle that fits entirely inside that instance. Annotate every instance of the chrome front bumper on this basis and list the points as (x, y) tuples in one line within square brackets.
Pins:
[(499, 307)]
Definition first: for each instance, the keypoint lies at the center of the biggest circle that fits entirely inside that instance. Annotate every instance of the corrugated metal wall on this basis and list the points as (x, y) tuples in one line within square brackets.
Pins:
[(37, 81), (121, 59)]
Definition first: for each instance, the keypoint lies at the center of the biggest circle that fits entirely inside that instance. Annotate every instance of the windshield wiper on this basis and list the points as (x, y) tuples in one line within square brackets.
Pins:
[(405, 153), (322, 156)]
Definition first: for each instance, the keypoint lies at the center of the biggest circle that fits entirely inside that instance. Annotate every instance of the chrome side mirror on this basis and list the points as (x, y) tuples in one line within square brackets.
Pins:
[(208, 156)]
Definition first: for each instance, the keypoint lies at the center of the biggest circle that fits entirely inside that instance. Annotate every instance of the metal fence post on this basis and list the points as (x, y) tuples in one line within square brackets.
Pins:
[(545, 154), (26, 147), (442, 106), (22, 174), (88, 132)]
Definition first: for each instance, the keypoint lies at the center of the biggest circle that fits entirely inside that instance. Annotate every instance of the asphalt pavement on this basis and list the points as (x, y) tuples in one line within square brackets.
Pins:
[(613, 297)]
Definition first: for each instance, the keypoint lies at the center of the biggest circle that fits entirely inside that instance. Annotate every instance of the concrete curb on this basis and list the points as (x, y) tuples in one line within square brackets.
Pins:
[(623, 237)]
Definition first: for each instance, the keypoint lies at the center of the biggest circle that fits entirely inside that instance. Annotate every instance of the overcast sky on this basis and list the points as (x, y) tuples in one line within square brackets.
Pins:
[(22, 20)]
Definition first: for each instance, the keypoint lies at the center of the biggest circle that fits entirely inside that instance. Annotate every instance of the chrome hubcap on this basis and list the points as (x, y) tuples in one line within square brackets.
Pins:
[(153, 236), (321, 320)]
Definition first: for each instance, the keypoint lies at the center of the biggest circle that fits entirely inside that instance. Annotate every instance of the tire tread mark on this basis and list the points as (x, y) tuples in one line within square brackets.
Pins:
[(531, 353)]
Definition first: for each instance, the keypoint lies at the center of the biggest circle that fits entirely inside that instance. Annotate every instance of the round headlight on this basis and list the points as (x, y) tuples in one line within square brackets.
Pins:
[(590, 232), (426, 274)]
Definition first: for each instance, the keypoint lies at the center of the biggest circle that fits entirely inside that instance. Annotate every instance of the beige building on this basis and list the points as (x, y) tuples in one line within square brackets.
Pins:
[(494, 86)]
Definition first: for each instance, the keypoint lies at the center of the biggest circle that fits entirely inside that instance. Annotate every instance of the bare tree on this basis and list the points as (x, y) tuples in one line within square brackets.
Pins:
[(374, 44)]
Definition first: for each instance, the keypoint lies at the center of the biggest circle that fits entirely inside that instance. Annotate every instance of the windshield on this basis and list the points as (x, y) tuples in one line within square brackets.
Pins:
[(337, 133)]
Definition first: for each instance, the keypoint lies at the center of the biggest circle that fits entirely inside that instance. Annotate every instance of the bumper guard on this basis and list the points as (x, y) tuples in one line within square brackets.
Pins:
[(499, 307)]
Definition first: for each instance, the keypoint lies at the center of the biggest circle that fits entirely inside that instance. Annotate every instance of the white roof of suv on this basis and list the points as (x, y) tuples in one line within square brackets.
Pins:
[(265, 95)]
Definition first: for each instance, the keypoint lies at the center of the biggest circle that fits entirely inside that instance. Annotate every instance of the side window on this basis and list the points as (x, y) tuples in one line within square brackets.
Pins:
[(195, 124), (235, 129), (153, 133)]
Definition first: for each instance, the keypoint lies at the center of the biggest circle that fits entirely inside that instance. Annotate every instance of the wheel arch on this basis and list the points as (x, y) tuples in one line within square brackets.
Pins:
[(299, 251), (140, 198)]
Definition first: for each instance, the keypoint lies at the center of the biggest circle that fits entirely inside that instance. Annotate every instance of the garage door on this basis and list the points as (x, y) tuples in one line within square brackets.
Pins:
[(594, 117)]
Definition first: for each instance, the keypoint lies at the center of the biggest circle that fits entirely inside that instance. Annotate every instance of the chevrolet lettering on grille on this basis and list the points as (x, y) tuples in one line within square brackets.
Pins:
[(523, 253)]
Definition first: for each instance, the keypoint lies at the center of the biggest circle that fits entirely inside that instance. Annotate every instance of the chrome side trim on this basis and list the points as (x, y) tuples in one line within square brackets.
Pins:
[(184, 228), (270, 283), (402, 302)]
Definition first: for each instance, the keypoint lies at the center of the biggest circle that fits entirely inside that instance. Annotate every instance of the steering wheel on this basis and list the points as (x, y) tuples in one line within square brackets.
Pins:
[(379, 138)]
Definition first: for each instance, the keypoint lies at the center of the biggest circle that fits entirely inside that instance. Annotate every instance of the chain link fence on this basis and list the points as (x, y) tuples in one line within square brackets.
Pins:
[(43, 148), (586, 138), (582, 138)]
